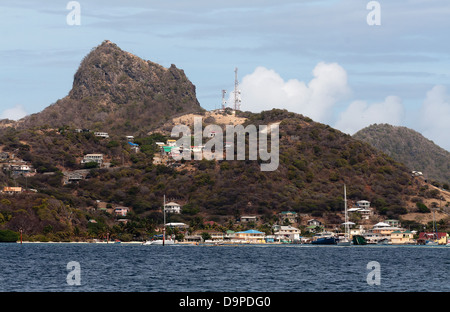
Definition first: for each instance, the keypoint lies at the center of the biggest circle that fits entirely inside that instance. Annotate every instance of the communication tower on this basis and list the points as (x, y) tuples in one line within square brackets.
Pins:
[(237, 92), (224, 102)]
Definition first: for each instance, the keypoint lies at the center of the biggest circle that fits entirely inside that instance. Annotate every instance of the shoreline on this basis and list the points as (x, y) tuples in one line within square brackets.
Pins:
[(230, 244)]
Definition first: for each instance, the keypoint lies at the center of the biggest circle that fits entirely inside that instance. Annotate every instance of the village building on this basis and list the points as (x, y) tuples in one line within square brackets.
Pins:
[(98, 158), (4, 156), (121, 211), (290, 216), (289, 233), (246, 219), (12, 190), (177, 225), (402, 237), (384, 228), (441, 238), (101, 134), (173, 207), (250, 236)]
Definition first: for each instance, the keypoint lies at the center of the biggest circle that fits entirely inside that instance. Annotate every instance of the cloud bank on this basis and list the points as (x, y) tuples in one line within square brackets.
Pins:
[(360, 114), (265, 89), (319, 98), (15, 113), (434, 120)]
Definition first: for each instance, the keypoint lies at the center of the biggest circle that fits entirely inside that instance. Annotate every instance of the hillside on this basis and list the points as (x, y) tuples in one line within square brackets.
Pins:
[(411, 148), (315, 161), (119, 93), (115, 91)]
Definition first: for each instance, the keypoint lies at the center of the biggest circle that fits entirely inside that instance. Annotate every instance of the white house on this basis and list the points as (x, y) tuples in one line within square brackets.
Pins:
[(98, 158), (249, 218), (287, 232), (121, 211), (101, 134), (173, 207), (364, 204)]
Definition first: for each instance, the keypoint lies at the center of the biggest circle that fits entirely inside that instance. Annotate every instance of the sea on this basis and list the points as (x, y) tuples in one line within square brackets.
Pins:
[(123, 267)]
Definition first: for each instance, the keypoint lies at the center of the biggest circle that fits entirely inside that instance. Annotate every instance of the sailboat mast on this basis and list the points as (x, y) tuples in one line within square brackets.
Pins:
[(164, 225), (346, 213)]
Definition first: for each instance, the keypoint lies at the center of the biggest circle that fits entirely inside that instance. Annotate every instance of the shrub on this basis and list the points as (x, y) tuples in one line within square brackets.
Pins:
[(422, 207)]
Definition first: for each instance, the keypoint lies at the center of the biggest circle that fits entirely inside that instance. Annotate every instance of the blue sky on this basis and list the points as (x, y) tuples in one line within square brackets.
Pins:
[(319, 58)]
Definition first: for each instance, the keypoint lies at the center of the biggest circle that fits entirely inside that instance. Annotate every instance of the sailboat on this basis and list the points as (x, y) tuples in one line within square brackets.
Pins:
[(346, 241), (162, 241), (435, 235)]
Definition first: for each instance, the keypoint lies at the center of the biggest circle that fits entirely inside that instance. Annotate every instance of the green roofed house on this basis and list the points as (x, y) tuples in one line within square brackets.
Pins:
[(402, 237)]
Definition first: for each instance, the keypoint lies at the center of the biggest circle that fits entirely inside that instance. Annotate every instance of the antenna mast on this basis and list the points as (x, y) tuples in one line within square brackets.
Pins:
[(224, 102), (237, 92)]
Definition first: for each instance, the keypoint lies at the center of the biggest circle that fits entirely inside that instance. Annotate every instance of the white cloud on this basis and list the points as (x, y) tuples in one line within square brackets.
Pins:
[(15, 113), (360, 114), (434, 119), (264, 89)]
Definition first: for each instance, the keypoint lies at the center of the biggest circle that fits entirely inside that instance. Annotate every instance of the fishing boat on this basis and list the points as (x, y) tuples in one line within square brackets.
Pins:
[(346, 241)]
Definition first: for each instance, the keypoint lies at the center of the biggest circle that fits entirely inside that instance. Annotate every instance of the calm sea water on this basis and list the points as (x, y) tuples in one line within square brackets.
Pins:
[(285, 268)]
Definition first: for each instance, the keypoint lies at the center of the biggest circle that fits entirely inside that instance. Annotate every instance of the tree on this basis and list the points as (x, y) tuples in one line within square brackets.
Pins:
[(8, 236), (422, 207), (206, 236)]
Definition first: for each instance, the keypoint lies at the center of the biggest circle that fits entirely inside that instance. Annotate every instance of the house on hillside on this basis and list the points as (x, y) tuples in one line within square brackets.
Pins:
[(104, 135), (313, 222), (121, 211), (246, 219), (98, 158), (12, 190), (173, 207), (4, 156), (290, 216)]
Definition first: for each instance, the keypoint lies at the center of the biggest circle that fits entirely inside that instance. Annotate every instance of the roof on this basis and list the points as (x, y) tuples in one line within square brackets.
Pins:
[(423, 235), (250, 232), (381, 224), (12, 189), (172, 204)]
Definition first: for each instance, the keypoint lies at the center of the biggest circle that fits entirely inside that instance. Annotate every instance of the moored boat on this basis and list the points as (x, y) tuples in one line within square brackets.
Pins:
[(359, 240), (330, 240)]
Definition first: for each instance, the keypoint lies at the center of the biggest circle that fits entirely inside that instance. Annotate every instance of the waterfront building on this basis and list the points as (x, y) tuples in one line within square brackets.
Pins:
[(289, 233), (402, 237), (250, 236)]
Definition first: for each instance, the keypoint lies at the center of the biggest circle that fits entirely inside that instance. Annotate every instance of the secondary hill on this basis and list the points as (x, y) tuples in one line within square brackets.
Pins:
[(117, 92), (411, 148)]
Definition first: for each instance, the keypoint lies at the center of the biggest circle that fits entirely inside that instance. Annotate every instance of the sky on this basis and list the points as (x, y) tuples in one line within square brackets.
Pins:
[(345, 63)]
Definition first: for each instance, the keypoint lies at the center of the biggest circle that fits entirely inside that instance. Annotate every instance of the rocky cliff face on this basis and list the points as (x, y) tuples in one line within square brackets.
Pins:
[(116, 91)]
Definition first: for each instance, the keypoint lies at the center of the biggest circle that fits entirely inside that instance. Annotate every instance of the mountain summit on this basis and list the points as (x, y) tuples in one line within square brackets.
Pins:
[(115, 91)]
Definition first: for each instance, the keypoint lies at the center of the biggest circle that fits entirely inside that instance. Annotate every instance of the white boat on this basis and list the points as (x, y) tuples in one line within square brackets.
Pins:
[(345, 241), (160, 242)]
